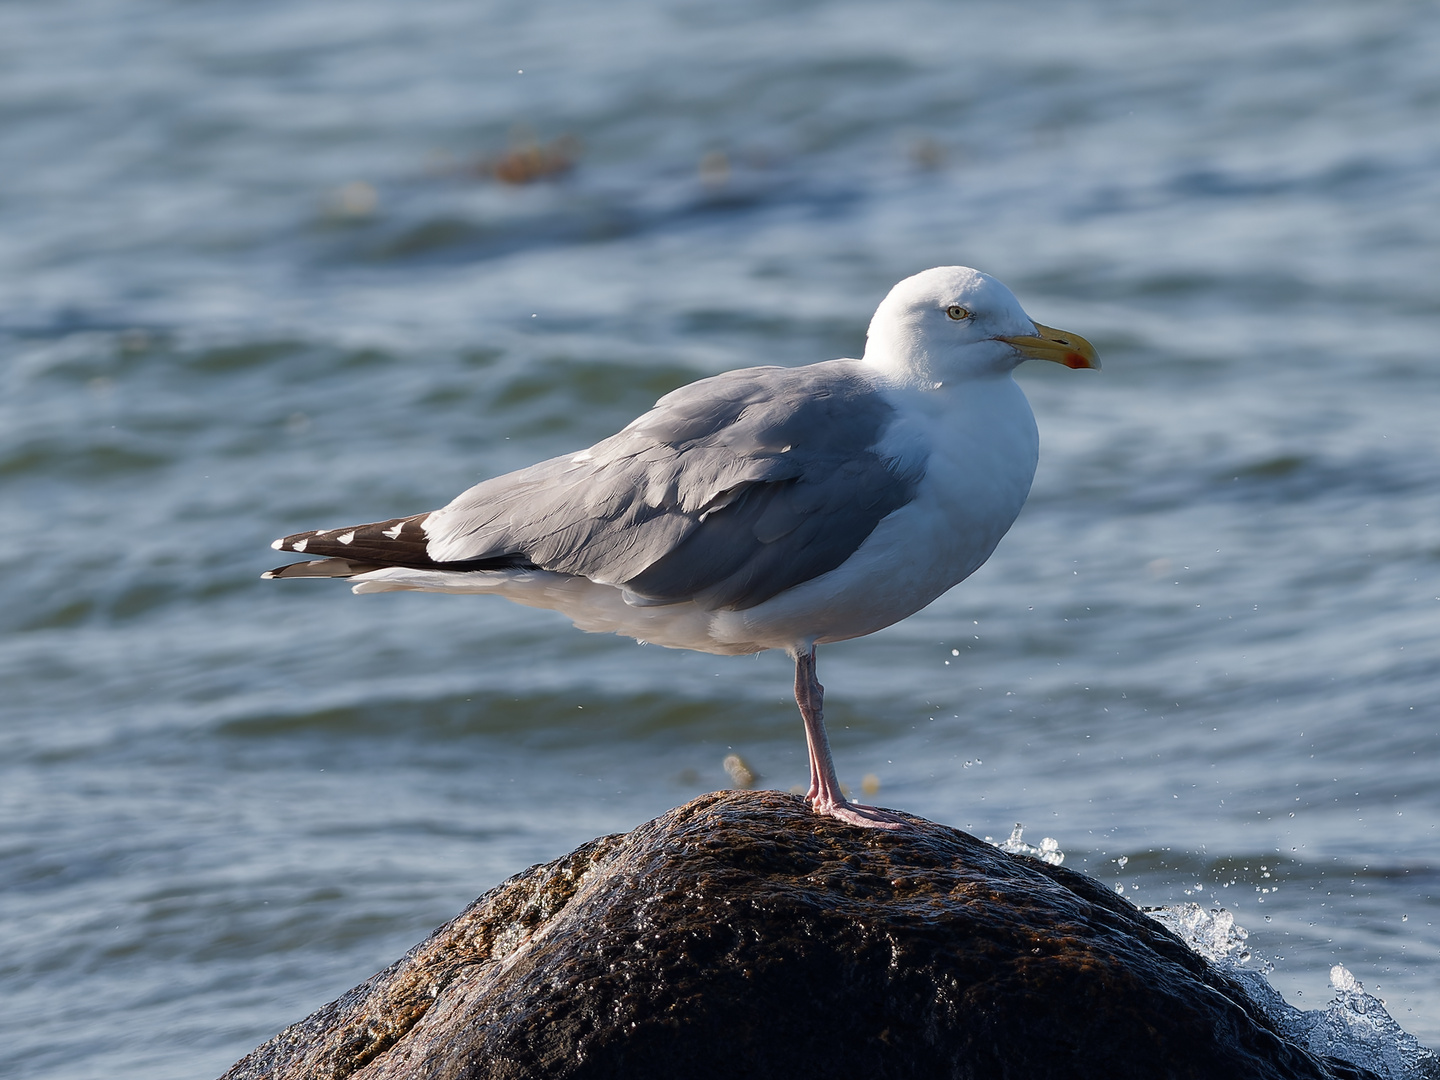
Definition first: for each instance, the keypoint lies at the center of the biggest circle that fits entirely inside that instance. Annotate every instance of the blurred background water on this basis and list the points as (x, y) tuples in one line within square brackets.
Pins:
[(271, 266)]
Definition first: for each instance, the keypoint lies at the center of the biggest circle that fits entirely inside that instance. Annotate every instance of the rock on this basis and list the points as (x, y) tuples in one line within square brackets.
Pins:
[(741, 935)]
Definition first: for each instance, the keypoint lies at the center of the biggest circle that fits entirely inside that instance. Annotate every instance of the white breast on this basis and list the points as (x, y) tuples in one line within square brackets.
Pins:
[(982, 448)]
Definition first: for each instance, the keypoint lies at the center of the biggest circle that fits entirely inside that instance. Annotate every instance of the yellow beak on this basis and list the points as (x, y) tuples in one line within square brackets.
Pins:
[(1062, 347)]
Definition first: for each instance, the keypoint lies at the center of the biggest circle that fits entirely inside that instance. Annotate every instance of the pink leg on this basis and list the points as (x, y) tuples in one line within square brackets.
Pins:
[(824, 795)]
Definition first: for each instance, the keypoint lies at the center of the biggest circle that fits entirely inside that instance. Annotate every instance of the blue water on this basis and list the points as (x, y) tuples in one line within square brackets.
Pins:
[(254, 278)]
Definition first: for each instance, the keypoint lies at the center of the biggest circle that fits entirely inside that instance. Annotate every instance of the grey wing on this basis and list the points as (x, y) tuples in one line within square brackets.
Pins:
[(729, 491)]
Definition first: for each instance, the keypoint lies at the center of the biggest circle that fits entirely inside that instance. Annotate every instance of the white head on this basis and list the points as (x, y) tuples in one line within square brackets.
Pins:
[(953, 322)]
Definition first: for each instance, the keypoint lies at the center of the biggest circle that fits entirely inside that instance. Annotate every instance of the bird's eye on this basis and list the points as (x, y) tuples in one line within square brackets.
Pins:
[(958, 313)]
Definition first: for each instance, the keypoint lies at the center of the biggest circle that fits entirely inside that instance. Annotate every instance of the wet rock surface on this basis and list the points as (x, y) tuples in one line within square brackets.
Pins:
[(741, 935)]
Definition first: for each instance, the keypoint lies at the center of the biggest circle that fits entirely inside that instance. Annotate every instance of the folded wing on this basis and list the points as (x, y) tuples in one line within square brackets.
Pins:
[(729, 491)]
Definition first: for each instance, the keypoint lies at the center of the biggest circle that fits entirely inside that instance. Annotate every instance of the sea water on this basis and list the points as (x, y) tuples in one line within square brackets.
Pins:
[(258, 274)]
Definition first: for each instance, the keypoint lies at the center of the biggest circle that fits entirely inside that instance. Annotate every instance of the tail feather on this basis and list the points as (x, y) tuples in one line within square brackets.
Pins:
[(397, 542), (342, 568), (358, 549)]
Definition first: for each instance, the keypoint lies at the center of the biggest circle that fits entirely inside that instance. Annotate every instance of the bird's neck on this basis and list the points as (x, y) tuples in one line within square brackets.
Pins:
[(899, 357), (906, 361)]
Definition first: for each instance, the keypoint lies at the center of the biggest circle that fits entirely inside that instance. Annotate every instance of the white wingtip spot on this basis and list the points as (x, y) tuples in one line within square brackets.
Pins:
[(268, 575), (300, 545), (394, 534), (278, 545), (346, 538)]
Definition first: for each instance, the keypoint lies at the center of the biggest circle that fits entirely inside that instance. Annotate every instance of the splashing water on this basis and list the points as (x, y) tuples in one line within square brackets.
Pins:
[(1213, 934), (1354, 1027), (1048, 851)]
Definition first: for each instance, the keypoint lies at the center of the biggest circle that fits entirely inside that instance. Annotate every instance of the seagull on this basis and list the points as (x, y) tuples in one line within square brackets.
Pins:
[(764, 508)]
